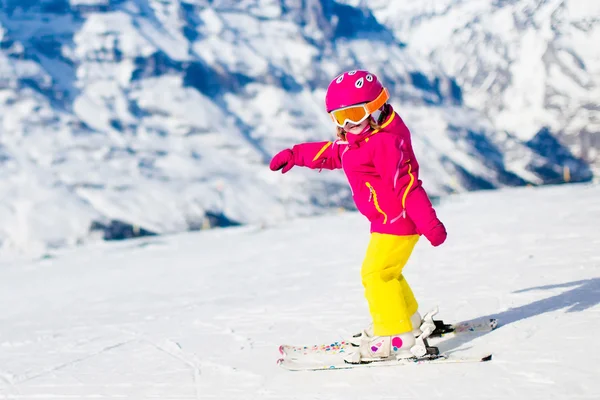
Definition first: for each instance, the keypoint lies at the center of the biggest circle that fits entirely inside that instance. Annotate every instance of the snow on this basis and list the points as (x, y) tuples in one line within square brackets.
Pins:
[(89, 2), (527, 89), (201, 315)]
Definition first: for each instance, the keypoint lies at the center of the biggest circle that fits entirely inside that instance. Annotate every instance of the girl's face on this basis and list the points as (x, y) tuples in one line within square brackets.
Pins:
[(356, 129)]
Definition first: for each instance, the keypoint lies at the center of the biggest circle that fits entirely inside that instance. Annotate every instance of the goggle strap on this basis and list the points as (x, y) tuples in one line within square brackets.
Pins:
[(376, 104)]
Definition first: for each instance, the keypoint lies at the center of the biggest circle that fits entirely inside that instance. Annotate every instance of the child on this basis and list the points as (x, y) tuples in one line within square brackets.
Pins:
[(374, 150)]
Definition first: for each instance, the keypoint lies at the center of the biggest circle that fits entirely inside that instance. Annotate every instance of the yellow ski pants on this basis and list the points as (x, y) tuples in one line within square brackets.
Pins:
[(391, 300)]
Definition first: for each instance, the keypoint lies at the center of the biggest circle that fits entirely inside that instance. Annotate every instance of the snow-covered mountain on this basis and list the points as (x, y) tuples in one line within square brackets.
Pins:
[(130, 117), (528, 65)]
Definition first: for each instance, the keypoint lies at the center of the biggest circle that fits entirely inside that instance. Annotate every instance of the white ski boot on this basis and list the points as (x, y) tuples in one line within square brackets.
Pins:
[(382, 348), (415, 319), (387, 348), (411, 344)]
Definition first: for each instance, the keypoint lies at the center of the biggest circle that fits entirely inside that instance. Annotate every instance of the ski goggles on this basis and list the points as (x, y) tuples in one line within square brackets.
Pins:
[(357, 113)]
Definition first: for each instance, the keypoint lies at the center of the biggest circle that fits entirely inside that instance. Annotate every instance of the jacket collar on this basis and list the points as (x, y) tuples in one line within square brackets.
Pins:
[(354, 140)]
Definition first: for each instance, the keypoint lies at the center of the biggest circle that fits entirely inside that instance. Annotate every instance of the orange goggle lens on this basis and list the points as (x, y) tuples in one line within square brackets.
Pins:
[(354, 115), (358, 113)]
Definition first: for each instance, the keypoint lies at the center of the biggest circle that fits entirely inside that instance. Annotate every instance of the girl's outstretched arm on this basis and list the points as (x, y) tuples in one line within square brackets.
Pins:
[(314, 155)]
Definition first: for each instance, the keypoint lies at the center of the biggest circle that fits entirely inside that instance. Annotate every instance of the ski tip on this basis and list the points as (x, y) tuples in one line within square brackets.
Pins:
[(281, 350), (280, 361), (486, 358)]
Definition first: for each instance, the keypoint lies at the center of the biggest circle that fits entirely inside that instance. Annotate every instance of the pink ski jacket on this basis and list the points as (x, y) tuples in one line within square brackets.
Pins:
[(383, 174)]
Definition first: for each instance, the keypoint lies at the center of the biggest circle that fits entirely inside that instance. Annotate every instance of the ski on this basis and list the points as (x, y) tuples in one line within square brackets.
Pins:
[(474, 326), (334, 348), (442, 330), (333, 363)]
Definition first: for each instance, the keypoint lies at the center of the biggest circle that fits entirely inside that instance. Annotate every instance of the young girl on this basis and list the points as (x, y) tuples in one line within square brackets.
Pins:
[(374, 149)]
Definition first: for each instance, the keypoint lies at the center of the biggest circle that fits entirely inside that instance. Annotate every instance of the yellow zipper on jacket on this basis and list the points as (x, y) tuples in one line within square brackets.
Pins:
[(412, 181), (374, 195)]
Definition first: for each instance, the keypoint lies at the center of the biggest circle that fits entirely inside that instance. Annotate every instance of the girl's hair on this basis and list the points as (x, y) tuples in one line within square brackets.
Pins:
[(341, 133)]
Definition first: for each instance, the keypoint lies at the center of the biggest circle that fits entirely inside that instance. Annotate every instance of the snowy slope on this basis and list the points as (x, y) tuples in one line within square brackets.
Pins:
[(136, 117), (201, 315)]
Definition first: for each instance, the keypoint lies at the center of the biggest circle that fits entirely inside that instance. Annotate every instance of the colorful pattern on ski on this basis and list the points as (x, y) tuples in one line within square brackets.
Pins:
[(337, 362), (318, 349), (442, 331)]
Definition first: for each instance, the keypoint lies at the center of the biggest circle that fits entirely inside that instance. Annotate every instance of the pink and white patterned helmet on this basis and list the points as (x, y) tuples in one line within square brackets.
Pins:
[(352, 87)]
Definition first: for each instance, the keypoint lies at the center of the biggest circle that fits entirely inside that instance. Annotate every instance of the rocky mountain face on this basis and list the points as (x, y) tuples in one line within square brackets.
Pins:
[(530, 66), (134, 117)]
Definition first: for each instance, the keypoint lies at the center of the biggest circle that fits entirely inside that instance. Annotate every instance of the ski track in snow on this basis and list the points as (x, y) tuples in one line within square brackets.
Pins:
[(202, 315)]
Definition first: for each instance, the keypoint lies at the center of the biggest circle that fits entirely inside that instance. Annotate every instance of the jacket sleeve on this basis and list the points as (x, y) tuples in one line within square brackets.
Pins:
[(318, 155), (395, 162)]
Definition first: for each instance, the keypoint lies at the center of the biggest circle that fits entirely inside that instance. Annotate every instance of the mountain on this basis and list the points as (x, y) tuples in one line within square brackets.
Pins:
[(201, 315), (140, 117), (528, 65)]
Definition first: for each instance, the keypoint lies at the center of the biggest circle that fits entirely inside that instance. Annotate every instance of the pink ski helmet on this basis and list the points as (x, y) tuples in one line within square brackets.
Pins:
[(354, 87)]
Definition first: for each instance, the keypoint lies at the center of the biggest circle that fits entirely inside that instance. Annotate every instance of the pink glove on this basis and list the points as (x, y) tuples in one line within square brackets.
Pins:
[(436, 235), (284, 159)]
